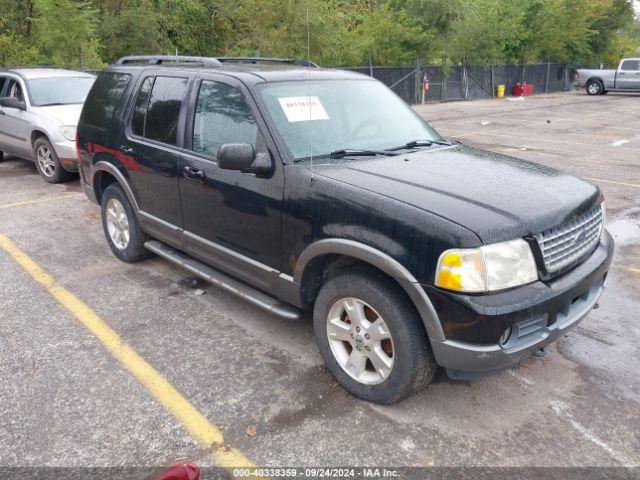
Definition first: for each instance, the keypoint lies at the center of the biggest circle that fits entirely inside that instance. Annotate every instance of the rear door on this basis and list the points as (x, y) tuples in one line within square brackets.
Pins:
[(231, 219), (151, 150), (628, 75)]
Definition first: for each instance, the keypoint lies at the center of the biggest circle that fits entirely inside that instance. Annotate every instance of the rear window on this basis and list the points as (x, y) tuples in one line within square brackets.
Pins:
[(630, 64), (104, 98)]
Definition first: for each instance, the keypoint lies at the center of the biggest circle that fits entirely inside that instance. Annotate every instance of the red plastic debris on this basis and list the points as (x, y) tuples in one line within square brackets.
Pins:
[(523, 89), (187, 471)]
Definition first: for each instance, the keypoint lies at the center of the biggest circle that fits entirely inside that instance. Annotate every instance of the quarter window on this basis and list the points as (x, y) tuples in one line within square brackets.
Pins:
[(163, 112), (103, 100), (222, 116)]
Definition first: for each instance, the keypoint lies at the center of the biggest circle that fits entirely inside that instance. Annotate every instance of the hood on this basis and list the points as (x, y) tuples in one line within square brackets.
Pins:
[(495, 196), (65, 114)]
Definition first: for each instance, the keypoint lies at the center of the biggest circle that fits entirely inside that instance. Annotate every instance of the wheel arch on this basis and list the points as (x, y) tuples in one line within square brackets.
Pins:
[(313, 260), (106, 173), (595, 79), (37, 133)]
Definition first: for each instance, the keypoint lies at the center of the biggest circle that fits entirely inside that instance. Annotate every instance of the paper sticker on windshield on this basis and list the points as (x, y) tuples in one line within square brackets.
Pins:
[(303, 109)]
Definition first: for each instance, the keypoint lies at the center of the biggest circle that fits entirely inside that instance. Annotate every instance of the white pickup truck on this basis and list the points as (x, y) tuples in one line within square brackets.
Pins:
[(625, 78)]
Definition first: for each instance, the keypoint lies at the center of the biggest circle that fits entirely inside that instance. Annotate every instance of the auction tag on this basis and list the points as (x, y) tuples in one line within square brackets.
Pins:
[(303, 109)]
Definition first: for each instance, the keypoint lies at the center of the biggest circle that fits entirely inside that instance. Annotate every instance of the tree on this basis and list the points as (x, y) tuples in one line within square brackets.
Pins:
[(65, 33), (133, 29)]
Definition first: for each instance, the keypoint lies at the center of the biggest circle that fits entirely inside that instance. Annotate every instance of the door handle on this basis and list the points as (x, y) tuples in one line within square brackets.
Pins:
[(194, 173), (127, 150)]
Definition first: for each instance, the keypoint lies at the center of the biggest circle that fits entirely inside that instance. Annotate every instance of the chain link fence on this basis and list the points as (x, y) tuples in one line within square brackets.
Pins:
[(469, 83)]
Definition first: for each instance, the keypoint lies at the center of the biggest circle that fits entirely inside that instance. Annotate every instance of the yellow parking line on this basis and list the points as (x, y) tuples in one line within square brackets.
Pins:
[(39, 200), (184, 412), (628, 269), (612, 181)]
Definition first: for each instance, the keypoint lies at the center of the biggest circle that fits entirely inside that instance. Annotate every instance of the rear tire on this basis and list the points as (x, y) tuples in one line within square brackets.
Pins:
[(121, 227), (372, 338), (48, 164), (595, 87)]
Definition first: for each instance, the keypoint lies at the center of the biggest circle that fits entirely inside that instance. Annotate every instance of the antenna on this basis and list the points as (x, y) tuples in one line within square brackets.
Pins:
[(309, 93)]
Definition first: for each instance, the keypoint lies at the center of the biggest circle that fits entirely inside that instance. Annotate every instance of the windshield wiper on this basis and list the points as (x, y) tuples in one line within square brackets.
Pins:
[(354, 152), (419, 143)]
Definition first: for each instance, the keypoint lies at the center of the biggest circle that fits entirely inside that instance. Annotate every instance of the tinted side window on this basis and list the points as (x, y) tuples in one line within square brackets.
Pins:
[(140, 108), (103, 99), (222, 116), (630, 64), (164, 109), (3, 81)]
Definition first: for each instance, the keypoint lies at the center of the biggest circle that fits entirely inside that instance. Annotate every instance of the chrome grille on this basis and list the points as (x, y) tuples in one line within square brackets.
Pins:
[(563, 245)]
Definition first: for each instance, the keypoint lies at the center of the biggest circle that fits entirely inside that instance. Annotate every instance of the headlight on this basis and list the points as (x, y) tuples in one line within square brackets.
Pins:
[(488, 268), (68, 132)]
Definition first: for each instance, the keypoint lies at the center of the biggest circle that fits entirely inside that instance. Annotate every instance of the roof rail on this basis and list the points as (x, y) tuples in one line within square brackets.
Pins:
[(293, 61), (168, 60)]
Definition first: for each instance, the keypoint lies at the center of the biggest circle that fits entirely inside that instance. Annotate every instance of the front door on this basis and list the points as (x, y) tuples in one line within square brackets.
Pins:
[(150, 152), (231, 219), (15, 122)]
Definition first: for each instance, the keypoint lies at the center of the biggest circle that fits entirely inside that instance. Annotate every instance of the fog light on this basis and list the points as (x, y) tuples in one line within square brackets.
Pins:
[(505, 337)]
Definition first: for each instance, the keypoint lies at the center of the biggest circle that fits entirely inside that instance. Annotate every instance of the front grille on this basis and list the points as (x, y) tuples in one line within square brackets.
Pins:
[(563, 245)]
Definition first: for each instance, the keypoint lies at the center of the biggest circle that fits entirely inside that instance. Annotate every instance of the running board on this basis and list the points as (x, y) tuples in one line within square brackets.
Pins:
[(224, 281)]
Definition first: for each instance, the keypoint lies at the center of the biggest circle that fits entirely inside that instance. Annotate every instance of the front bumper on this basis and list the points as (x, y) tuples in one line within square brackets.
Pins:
[(67, 154), (550, 311)]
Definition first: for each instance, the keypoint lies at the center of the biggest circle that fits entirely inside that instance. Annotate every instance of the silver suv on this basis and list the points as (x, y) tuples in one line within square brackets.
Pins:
[(39, 111)]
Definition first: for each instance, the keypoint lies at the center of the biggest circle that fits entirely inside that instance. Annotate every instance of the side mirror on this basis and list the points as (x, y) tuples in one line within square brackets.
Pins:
[(12, 102), (242, 157)]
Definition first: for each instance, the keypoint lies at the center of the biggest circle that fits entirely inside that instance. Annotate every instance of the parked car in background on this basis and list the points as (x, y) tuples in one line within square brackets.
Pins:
[(39, 111), (308, 188), (598, 81)]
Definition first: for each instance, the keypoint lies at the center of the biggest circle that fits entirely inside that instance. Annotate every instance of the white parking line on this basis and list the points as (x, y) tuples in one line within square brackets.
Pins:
[(562, 408)]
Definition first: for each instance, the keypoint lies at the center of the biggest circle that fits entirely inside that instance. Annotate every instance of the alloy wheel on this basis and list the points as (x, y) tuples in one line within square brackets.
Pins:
[(360, 341), (117, 224), (46, 162)]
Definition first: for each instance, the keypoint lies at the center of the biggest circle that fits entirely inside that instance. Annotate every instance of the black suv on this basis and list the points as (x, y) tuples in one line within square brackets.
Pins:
[(296, 187)]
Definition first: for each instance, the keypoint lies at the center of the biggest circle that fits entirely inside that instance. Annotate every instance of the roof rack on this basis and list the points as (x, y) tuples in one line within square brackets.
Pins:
[(293, 61), (168, 60), (181, 60)]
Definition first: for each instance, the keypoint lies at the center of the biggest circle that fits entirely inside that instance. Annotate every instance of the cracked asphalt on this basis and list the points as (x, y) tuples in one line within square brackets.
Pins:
[(66, 401)]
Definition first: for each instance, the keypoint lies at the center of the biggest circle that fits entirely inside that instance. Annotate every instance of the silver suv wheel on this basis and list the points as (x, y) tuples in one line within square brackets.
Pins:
[(360, 341), (117, 224)]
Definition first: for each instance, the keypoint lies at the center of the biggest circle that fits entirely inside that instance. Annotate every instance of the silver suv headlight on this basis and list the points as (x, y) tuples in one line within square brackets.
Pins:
[(68, 132), (487, 268)]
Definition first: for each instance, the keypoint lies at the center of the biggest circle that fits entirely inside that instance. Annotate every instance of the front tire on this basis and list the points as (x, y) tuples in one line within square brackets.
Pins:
[(595, 87), (48, 164), (121, 227), (371, 337)]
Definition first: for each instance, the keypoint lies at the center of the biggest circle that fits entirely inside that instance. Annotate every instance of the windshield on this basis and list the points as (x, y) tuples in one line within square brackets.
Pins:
[(59, 90), (341, 114)]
